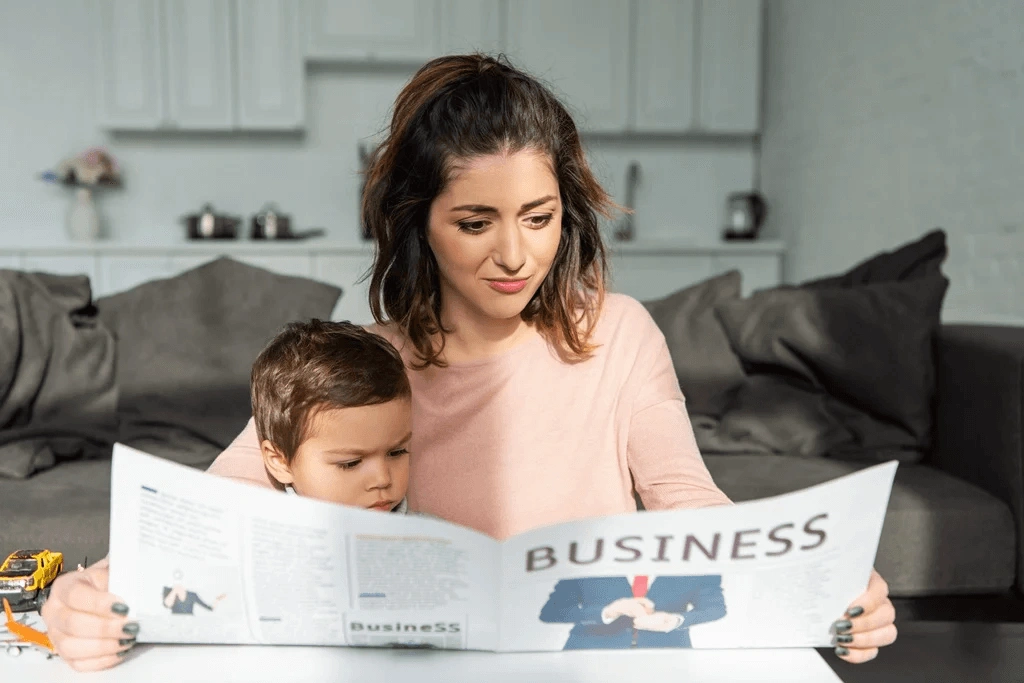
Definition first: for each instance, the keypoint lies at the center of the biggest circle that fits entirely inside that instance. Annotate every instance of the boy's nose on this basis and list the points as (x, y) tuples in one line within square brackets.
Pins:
[(381, 477)]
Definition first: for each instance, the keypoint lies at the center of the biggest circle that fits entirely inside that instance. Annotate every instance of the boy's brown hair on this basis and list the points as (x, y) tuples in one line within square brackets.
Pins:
[(318, 365)]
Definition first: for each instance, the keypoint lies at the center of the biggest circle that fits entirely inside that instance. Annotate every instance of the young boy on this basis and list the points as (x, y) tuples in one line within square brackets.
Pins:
[(333, 412)]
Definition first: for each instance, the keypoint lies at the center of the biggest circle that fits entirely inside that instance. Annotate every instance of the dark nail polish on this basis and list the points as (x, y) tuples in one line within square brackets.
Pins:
[(843, 625), (126, 641), (855, 611), (122, 653), (842, 651), (844, 639), (131, 628), (119, 608)]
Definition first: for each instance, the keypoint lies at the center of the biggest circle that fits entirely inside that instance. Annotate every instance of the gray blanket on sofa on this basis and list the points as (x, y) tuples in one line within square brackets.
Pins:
[(58, 397)]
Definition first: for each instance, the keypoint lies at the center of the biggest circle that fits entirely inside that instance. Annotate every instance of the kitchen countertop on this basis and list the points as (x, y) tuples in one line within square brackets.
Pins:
[(660, 247)]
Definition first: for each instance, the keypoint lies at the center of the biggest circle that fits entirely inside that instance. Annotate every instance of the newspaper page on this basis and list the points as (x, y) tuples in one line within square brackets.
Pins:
[(202, 559), (771, 573)]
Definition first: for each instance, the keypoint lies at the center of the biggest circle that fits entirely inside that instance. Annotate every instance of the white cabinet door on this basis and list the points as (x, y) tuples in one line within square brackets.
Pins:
[(130, 67), (199, 64), (10, 261), (121, 272), (652, 276), (284, 264), (270, 68), (760, 271), (729, 35), (384, 30), (581, 47), (665, 67), (344, 270), (64, 264), (471, 26)]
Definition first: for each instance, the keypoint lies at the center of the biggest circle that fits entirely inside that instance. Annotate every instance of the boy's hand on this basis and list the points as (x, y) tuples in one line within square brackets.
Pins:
[(87, 625)]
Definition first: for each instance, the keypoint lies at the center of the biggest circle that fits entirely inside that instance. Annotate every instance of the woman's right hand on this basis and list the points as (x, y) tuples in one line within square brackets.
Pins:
[(87, 625)]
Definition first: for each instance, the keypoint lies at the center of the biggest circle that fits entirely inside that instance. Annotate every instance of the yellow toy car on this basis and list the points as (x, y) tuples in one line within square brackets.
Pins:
[(26, 575)]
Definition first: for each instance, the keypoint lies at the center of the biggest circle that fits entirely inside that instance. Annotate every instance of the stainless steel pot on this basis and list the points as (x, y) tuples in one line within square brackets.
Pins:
[(207, 224)]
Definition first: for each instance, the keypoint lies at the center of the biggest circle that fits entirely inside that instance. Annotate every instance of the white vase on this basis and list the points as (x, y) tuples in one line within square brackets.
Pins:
[(83, 219)]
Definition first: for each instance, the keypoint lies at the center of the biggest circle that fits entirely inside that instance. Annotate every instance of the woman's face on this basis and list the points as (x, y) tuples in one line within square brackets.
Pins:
[(494, 232)]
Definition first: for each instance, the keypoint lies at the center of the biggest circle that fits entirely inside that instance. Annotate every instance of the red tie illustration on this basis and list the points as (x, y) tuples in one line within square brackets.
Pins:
[(639, 586)]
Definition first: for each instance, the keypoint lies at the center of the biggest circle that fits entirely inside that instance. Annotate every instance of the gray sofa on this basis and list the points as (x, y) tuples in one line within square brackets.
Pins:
[(955, 521), (954, 524)]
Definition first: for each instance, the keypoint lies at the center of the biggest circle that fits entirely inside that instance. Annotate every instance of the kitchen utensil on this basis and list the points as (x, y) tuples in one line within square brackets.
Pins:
[(207, 224), (271, 224), (745, 213)]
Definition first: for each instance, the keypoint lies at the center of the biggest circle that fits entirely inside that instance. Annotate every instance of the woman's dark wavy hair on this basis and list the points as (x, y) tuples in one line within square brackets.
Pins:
[(460, 107)]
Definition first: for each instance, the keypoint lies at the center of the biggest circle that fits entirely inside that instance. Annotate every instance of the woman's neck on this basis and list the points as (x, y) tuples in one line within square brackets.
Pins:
[(473, 337)]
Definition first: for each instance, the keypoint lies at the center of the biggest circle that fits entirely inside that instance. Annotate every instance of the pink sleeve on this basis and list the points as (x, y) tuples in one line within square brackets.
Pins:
[(242, 460), (662, 452)]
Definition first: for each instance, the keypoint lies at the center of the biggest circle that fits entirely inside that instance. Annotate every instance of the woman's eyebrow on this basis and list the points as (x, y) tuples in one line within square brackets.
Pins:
[(483, 208)]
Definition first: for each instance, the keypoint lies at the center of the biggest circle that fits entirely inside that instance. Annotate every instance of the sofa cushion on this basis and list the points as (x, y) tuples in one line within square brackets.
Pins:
[(863, 353), (707, 370), (941, 535), (921, 258), (58, 399), (185, 348), (66, 508)]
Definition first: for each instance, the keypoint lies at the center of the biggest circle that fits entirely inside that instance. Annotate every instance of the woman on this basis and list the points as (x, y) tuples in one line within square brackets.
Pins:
[(537, 398)]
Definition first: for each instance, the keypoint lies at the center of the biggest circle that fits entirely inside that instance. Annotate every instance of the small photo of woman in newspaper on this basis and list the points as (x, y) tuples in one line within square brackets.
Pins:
[(180, 600), (634, 611)]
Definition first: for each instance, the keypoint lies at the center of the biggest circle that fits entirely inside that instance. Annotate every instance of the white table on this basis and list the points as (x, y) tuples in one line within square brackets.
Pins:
[(202, 664)]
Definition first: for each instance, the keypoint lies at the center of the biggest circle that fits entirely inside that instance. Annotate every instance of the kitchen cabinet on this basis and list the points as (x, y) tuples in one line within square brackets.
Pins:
[(653, 270), (760, 271), (698, 66), (665, 70), (345, 270), (471, 26), (652, 276), (199, 68), (374, 30), (121, 272), (581, 48), (130, 63), (729, 35), (643, 271), (200, 64), (270, 67), (73, 263)]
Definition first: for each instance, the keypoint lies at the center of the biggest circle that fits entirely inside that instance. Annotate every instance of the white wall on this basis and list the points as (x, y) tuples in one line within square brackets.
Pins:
[(884, 119), (47, 112)]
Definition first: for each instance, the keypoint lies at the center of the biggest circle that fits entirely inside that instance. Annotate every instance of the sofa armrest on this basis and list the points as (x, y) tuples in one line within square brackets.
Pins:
[(980, 414)]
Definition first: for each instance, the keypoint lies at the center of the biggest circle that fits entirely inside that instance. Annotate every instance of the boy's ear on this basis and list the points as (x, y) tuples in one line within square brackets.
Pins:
[(276, 463)]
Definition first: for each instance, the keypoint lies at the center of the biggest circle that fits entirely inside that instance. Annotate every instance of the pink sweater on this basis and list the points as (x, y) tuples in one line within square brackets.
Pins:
[(521, 440)]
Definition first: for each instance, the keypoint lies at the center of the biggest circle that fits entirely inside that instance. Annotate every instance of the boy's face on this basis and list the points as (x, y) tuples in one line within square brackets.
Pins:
[(353, 456)]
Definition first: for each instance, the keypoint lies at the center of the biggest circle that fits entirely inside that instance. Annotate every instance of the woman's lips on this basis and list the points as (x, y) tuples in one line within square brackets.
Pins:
[(386, 505), (507, 286)]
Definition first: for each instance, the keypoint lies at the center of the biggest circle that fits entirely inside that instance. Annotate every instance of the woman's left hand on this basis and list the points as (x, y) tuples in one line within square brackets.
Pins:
[(868, 624)]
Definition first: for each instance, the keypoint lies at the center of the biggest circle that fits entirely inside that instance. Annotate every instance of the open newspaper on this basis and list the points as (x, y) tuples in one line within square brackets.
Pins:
[(202, 559)]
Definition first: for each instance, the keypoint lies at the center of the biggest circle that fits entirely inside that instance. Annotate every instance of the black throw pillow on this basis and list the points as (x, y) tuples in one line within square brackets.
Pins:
[(707, 369), (857, 346)]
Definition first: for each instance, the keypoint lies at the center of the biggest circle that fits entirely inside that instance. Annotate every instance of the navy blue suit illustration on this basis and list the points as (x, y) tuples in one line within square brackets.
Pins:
[(698, 599)]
